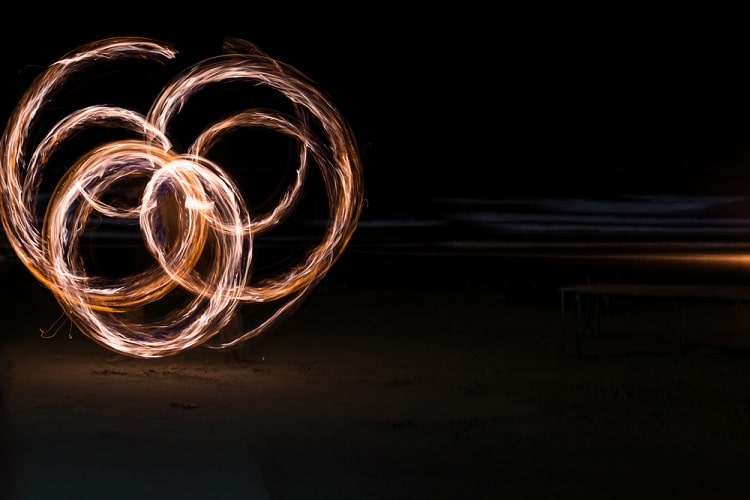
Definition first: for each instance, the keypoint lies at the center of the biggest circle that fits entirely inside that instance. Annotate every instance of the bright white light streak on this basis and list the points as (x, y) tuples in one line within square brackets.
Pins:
[(211, 255)]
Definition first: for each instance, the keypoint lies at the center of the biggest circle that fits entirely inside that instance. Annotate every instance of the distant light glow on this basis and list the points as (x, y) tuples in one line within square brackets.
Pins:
[(211, 255)]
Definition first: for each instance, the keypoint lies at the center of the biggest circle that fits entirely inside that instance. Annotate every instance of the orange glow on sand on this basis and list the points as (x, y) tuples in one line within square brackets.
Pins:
[(211, 256)]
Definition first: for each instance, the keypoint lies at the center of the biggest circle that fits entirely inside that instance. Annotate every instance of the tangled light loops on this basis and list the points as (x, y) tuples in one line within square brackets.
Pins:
[(208, 251)]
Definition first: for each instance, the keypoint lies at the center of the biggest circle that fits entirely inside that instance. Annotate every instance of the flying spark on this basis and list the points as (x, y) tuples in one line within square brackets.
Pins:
[(205, 247)]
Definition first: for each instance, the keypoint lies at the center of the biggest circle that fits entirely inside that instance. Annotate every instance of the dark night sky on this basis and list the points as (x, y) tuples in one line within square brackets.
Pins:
[(471, 100), (414, 81), (495, 104)]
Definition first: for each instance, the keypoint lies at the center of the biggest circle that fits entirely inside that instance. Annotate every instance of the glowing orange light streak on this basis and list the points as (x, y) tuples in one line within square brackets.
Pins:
[(211, 256)]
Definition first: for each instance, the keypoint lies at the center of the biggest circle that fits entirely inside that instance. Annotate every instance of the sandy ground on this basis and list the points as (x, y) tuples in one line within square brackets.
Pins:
[(397, 394)]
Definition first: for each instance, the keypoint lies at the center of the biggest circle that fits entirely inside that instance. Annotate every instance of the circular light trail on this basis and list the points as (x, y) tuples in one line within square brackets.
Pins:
[(210, 256)]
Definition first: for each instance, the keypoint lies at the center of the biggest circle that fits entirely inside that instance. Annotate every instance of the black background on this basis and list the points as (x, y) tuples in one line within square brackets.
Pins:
[(475, 100), (469, 102)]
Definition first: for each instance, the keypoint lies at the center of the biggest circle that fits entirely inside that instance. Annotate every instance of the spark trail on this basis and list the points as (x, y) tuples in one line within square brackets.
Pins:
[(208, 251)]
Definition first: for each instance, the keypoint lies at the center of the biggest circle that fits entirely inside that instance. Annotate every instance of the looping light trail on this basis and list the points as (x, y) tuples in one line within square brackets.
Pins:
[(210, 255)]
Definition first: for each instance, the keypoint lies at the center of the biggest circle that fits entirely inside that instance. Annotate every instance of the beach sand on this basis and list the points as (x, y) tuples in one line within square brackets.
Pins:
[(385, 393)]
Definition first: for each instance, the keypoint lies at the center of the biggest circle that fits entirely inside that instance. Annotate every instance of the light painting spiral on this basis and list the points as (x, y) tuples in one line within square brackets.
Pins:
[(209, 257)]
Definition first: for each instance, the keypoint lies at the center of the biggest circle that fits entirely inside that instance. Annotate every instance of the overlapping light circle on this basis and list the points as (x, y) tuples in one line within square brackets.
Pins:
[(216, 227)]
